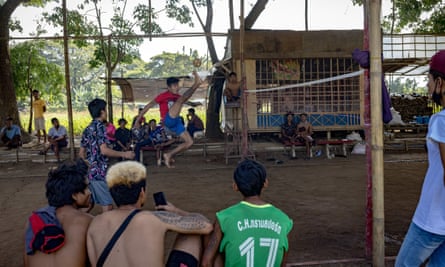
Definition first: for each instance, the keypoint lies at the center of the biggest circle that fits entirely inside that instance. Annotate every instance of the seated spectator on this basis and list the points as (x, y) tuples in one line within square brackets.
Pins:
[(110, 132), (304, 132), (142, 241), (232, 90), (57, 137), (251, 232), (10, 134), (67, 192), (159, 138), (289, 132), (142, 120), (288, 128), (194, 123), (123, 136), (141, 136)]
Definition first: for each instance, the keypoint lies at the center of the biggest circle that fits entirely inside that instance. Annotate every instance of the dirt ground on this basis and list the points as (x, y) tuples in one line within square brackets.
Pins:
[(325, 198)]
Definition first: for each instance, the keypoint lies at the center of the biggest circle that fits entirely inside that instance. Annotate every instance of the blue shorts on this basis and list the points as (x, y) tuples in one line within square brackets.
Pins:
[(174, 124), (100, 193)]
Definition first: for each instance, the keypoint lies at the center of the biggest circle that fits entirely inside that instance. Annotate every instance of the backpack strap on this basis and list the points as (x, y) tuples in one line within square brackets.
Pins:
[(113, 240)]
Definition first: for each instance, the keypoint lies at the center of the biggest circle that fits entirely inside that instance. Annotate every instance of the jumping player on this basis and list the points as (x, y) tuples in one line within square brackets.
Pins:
[(170, 104)]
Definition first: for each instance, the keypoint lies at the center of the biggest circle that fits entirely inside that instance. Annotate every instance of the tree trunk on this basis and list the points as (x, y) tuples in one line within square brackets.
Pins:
[(259, 6), (31, 111), (213, 129), (8, 99)]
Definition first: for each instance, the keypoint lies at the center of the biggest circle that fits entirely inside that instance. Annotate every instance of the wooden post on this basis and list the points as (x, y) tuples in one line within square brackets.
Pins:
[(378, 212), (367, 128), (245, 126), (68, 84), (109, 74)]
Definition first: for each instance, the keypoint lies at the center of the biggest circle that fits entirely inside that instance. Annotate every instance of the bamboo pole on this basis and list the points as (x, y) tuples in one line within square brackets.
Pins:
[(378, 213), (68, 83)]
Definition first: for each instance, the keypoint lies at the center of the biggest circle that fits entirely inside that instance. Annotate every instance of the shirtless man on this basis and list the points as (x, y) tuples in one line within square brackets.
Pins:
[(304, 132), (170, 105), (142, 242), (232, 90), (67, 191)]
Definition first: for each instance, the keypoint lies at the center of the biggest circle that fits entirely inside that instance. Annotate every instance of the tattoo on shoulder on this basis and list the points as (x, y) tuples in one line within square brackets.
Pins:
[(192, 221)]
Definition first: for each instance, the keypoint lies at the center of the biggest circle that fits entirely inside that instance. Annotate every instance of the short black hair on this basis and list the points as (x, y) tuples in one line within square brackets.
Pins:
[(54, 119), (96, 106), (35, 91), (67, 179), (436, 74), (127, 194), (287, 114), (121, 120), (9, 119), (250, 176), (151, 121), (172, 80), (192, 110), (232, 74)]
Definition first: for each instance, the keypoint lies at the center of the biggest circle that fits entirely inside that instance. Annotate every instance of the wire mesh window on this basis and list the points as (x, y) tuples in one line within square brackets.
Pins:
[(341, 96)]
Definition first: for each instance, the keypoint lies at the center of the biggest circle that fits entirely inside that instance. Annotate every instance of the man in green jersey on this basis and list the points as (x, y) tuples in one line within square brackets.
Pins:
[(252, 232)]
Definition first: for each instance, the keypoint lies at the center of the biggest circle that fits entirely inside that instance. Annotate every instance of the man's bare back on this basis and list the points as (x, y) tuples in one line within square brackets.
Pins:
[(73, 254), (142, 242)]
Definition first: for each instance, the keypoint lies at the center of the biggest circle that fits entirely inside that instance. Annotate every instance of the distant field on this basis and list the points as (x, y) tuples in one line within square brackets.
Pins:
[(82, 118)]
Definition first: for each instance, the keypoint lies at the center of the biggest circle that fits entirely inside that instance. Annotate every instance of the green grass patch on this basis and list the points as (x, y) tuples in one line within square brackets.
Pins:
[(81, 119)]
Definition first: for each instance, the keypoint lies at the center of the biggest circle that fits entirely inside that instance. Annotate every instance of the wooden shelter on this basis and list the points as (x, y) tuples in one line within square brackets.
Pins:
[(143, 90), (277, 58)]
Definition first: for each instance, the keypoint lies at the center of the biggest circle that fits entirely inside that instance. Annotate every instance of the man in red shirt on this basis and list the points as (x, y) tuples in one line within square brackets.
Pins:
[(170, 104)]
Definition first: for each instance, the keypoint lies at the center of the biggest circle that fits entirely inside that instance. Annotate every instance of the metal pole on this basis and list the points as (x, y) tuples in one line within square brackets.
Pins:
[(378, 211), (68, 83)]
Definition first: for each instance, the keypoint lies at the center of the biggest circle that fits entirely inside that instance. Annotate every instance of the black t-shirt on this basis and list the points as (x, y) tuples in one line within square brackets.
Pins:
[(123, 135)]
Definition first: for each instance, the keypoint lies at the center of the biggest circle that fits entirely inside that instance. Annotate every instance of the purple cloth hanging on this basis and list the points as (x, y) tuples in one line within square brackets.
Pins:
[(362, 58)]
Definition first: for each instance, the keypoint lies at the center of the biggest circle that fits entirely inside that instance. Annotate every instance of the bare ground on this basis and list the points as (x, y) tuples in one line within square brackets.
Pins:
[(325, 198)]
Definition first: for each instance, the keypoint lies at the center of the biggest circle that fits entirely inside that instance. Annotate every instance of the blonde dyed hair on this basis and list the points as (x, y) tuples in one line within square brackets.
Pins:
[(125, 173)]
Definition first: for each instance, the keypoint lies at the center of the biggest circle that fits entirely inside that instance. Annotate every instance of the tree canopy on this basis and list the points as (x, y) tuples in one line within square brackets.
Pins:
[(418, 16)]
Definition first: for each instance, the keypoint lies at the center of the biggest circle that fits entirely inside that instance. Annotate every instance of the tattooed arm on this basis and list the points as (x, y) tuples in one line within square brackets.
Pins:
[(211, 248), (181, 221)]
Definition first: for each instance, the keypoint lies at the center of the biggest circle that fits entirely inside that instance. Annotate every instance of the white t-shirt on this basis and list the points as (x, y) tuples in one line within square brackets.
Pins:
[(53, 132), (430, 212)]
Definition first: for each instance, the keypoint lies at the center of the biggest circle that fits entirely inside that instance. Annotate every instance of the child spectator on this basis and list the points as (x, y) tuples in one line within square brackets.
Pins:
[(252, 232)]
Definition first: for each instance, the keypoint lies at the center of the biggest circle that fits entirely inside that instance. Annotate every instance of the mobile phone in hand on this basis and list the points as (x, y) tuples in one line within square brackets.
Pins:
[(159, 198)]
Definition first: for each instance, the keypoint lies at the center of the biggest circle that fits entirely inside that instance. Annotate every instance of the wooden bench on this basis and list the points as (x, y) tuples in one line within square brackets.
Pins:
[(292, 145), (150, 149), (199, 144), (405, 144), (329, 143), (64, 152)]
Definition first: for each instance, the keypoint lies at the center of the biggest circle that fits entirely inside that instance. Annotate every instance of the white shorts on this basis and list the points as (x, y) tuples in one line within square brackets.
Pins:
[(39, 124)]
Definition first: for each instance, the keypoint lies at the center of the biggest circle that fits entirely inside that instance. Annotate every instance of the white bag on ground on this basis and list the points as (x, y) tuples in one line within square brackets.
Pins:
[(396, 118), (354, 136), (359, 149)]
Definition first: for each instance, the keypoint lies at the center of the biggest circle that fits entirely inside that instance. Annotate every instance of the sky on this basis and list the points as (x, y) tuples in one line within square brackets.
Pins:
[(279, 14)]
